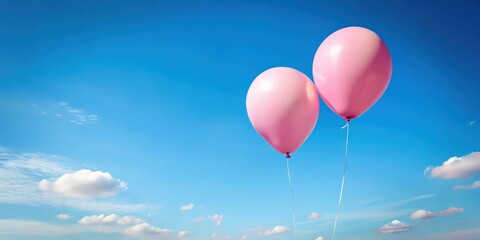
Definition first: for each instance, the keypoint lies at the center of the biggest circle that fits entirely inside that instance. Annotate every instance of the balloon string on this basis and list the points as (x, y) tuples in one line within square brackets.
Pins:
[(343, 178), (293, 198)]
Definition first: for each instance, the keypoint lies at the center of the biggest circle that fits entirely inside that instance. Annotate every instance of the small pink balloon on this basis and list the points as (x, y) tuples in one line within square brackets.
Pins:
[(283, 106), (352, 69)]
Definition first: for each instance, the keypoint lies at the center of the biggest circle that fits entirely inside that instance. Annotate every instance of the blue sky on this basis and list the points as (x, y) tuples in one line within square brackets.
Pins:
[(138, 110)]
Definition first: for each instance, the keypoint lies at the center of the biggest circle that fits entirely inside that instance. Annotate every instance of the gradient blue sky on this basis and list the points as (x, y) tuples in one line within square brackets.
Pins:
[(153, 92)]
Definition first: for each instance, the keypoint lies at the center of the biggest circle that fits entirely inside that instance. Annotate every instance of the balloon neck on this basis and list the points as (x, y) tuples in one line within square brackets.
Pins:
[(288, 155)]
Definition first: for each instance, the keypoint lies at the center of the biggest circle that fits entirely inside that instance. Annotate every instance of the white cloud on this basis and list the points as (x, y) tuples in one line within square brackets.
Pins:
[(458, 167), (84, 184), (136, 226), (99, 219), (63, 216), (474, 185), (320, 238), (78, 115), (450, 211), (183, 234), (277, 230), (218, 219), (111, 219), (20, 173), (244, 237), (198, 219), (422, 214), (145, 229), (187, 207), (314, 215), (129, 220), (427, 215), (394, 227)]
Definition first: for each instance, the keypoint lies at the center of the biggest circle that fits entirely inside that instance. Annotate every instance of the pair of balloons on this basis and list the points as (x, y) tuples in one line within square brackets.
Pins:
[(351, 69)]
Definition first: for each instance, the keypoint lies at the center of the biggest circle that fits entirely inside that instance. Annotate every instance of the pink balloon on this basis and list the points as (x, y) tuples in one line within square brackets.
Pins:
[(352, 69), (283, 106)]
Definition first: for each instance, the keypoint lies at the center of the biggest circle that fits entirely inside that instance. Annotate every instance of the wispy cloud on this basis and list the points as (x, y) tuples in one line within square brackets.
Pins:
[(218, 219), (198, 219), (66, 111), (394, 227), (474, 185), (63, 216), (457, 167), (216, 236), (102, 223), (471, 123), (77, 115), (465, 234), (20, 173), (376, 212), (37, 228), (256, 231)]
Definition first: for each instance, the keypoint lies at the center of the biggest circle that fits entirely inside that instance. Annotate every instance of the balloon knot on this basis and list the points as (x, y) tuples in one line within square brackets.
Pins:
[(288, 155)]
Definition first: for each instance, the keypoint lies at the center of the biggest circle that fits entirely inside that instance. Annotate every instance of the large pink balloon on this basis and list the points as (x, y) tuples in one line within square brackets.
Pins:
[(352, 69), (283, 106)]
